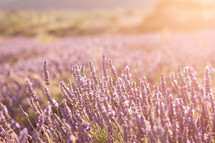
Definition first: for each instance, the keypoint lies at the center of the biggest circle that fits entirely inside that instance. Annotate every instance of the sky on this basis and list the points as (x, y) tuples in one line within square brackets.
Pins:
[(82, 4), (76, 4)]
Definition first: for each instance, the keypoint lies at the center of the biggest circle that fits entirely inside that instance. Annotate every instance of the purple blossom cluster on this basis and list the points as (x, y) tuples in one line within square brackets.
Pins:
[(116, 107)]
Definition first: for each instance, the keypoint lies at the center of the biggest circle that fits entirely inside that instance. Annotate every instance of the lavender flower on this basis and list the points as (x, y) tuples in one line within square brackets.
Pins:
[(46, 73)]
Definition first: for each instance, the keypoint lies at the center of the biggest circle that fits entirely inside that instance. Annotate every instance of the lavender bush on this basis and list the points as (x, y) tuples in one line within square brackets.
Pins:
[(115, 107)]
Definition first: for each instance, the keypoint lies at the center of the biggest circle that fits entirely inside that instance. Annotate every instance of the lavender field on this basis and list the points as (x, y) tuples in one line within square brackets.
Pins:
[(155, 87)]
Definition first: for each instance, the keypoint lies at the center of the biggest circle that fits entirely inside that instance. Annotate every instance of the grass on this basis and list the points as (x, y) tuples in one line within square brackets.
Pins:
[(48, 24)]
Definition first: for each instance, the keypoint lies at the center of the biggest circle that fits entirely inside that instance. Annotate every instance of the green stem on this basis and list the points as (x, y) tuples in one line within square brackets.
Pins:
[(31, 124)]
